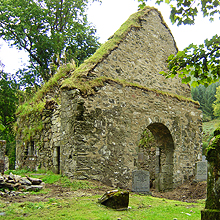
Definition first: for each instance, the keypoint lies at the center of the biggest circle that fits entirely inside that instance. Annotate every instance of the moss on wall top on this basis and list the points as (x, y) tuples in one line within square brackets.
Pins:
[(134, 21)]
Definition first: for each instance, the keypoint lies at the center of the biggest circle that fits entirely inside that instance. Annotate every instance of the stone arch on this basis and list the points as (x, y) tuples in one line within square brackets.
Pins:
[(160, 156)]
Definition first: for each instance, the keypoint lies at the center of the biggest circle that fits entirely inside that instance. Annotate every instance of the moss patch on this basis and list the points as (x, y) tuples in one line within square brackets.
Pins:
[(210, 214), (89, 87), (31, 111), (36, 104), (213, 193)]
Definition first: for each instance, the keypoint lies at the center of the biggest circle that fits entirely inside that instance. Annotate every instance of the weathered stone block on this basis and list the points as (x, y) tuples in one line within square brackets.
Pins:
[(115, 199), (141, 181), (201, 171)]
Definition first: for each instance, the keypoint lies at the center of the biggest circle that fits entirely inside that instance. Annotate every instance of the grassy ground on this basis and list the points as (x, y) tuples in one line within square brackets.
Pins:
[(210, 126), (208, 131), (85, 206), (141, 207)]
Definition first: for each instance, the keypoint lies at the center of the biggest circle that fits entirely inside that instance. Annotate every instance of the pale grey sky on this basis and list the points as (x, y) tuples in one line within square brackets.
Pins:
[(109, 16)]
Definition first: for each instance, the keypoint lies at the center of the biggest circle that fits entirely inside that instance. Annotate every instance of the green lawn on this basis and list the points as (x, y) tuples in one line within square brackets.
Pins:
[(141, 207)]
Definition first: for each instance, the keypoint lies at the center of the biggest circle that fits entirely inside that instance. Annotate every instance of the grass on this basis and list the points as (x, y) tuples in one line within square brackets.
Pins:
[(208, 132), (210, 126), (141, 207)]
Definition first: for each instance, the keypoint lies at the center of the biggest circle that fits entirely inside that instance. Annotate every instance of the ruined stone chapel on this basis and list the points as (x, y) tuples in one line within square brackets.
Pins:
[(87, 122)]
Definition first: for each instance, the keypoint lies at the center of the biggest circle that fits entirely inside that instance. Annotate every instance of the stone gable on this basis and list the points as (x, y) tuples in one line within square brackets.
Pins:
[(142, 55), (94, 120)]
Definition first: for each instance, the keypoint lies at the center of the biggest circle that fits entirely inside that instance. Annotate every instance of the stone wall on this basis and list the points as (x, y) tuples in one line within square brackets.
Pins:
[(40, 151), (100, 133), (97, 136)]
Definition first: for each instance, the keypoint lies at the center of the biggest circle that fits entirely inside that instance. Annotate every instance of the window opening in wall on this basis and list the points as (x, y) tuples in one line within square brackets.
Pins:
[(58, 159), (32, 148), (25, 150)]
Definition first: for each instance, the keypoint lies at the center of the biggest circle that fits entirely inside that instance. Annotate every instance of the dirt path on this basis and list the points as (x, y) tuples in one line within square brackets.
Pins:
[(188, 192)]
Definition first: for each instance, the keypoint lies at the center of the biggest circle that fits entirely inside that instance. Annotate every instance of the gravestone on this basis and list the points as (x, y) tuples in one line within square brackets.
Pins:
[(201, 171), (141, 181), (204, 158)]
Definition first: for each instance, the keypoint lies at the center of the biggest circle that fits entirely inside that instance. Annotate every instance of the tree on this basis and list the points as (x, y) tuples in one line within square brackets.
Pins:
[(216, 104), (195, 64), (48, 31), (9, 99), (206, 96)]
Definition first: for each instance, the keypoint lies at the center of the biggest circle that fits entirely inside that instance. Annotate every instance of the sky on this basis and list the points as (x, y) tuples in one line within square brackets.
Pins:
[(109, 16)]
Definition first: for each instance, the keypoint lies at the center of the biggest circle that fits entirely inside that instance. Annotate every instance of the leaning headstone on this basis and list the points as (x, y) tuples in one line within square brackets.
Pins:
[(115, 199), (201, 171), (141, 181)]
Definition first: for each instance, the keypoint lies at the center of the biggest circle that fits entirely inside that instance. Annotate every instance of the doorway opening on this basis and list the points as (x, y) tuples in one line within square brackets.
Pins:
[(156, 149)]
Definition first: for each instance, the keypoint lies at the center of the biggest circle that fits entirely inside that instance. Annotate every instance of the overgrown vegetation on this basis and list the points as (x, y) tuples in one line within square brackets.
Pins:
[(206, 96), (147, 139), (208, 132), (32, 109), (38, 101)]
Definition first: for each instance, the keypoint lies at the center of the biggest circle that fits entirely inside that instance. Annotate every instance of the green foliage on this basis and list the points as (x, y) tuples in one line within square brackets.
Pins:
[(185, 12), (22, 172), (9, 98), (147, 139), (209, 128), (195, 64), (206, 96), (35, 106), (46, 30), (216, 104)]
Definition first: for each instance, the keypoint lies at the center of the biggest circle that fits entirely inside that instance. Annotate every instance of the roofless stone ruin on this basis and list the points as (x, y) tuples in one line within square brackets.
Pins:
[(91, 122)]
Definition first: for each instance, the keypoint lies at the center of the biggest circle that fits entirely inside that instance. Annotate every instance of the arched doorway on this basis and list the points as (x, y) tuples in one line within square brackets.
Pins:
[(156, 149)]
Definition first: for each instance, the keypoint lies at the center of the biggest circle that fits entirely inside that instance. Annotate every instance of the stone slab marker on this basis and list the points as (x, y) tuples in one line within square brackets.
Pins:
[(2, 156), (141, 181), (201, 171)]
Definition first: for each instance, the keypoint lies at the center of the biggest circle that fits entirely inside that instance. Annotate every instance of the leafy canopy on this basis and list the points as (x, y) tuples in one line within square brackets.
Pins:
[(206, 97), (48, 31), (196, 64)]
